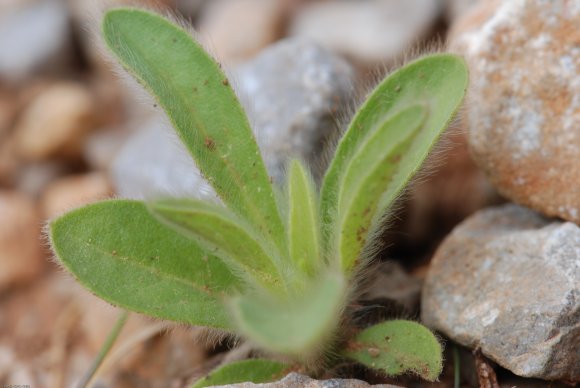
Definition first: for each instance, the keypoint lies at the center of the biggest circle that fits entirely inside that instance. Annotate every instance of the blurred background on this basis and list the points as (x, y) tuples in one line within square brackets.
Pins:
[(72, 133)]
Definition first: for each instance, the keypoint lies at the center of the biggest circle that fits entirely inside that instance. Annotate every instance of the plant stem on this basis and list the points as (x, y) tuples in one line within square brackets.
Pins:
[(109, 342), (456, 367)]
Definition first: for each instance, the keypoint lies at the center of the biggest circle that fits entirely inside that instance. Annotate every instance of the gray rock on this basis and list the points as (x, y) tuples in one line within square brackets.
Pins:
[(368, 31), (34, 36), (508, 281), (153, 163), (291, 93), (295, 380)]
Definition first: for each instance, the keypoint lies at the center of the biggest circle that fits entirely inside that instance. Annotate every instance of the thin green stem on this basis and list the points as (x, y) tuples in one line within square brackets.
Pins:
[(456, 367), (109, 342)]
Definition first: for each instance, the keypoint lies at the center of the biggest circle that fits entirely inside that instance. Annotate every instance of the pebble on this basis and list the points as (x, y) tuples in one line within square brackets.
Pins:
[(34, 37), (73, 191), (55, 123), (238, 29), (508, 280), (366, 31), (523, 116), (291, 92), (21, 253)]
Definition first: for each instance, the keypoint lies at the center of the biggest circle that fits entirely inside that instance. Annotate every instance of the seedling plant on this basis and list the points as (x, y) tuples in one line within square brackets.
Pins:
[(274, 265)]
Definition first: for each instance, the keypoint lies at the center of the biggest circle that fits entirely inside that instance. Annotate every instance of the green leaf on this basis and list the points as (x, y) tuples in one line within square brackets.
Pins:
[(397, 347), (303, 226), (298, 325), (118, 251), (254, 371), (202, 106), (438, 81), (220, 232), (372, 171)]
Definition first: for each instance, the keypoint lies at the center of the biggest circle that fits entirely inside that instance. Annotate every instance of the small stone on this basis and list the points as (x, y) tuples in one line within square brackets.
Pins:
[(21, 254), (367, 31), (74, 191), (34, 37), (296, 380), (524, 115), (55, 123), (238, 29), (291, 93), (508, 280)]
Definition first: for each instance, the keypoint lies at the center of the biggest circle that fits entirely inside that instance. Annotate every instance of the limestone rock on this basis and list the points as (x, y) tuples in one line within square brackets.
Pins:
[(295, 380), (21, 255), (524, 113), (55, 122), (367, 31), (508, 280)]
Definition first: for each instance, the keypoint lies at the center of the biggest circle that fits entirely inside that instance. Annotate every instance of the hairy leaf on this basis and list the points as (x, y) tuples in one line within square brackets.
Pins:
[(220, 232), (203, 108), (303, 225), (298, 325), (438, 81), (117, 250), (372, 171), (254, 371), (396, 347)]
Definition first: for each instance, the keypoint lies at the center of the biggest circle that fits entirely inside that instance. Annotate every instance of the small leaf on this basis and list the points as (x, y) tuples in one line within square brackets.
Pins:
[(117, 250), (439, 81), (254, 371), (370, 173), (202, 107), (220, 232), (297, 325), (303, 226), (397, 347)]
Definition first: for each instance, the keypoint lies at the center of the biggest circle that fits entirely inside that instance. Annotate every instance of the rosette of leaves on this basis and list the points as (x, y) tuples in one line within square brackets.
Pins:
[(274, 265)]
